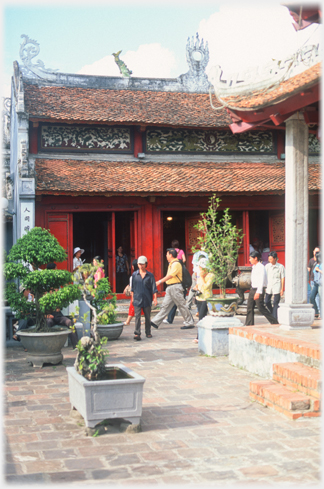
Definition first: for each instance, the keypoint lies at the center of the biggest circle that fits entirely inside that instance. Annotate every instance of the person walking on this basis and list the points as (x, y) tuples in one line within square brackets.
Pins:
[(276, 283), (127, 291), (174, 293), (256, 295), (180, 256), (143, 291)]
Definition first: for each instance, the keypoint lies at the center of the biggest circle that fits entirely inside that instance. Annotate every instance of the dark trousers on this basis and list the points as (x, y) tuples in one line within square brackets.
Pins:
[(267, 303), (64, 321), (249, 321), (147, 315), (173, 311), (312, 298), (202, 310)]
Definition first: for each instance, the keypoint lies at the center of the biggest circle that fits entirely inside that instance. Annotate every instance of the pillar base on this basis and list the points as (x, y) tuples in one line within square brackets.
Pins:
[(295, 316)]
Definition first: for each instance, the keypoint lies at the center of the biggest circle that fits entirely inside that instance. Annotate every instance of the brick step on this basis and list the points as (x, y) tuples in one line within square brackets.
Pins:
[(293, 404), (297, 376)]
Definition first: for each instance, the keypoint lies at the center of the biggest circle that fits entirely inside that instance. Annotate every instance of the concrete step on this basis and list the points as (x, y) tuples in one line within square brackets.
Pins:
[(292, 404), (297, 376)]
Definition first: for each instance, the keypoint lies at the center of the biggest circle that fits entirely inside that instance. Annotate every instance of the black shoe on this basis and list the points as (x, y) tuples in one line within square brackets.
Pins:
[(137, 337), (187, 327), (154, 325)]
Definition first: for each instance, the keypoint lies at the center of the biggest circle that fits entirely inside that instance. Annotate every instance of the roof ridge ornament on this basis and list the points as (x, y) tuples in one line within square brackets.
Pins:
[(197, 54), (29, 49), (124, 71)]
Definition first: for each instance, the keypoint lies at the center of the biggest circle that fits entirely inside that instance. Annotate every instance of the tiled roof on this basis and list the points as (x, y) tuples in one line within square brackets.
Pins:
[(277, 93), (122, 106), (76, 177)]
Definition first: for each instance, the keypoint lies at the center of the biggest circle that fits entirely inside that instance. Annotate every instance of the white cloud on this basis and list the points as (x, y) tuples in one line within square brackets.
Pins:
[(150, 60), (246, 36)]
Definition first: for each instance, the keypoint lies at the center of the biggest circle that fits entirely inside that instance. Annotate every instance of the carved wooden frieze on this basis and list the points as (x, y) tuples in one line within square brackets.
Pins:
[(89, 138), (191, 141)]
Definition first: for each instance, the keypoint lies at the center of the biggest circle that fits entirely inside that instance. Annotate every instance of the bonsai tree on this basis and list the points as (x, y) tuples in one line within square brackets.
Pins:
[(51, 288), (90, 361), (221, 240)]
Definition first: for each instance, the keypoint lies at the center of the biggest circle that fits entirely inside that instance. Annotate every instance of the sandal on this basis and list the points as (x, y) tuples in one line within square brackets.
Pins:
[(15, 337), (149, 336), (137, 337)]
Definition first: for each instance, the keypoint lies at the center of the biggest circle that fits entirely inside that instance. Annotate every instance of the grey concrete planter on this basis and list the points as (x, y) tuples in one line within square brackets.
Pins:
[(110, 331), (213, 337), (97, 400), (44, 347)]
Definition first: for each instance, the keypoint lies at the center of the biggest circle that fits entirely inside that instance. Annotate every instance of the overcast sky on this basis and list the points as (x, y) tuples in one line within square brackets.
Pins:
[(76, 38)]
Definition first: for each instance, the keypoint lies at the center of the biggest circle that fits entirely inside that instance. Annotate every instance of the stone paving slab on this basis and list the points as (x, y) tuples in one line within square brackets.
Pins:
[(199, 426)]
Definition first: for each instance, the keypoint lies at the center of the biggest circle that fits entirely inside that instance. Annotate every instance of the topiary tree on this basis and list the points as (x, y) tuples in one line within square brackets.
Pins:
[(221, 240), (51, 288)]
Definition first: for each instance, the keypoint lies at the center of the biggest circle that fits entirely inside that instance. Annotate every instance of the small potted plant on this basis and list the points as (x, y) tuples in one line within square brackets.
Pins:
[(221, 240), (52, 289)]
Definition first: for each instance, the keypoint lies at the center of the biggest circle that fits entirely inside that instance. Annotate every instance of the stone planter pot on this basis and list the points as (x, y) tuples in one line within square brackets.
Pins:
[(110, 331), (97, 400), (44, 347), (222, 307)]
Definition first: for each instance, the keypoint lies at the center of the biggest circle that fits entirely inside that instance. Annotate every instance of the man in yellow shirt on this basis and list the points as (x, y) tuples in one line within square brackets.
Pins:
[(174, 293)]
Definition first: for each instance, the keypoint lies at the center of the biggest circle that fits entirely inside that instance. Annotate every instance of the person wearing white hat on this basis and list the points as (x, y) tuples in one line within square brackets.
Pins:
[(143, 292), (77, 262)]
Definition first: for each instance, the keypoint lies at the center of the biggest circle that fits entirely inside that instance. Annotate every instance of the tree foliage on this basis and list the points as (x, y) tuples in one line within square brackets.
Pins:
[(221, 240), (51, 288)]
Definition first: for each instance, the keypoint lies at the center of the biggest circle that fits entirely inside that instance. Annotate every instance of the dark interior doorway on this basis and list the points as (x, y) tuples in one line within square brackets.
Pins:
[(173, 228), (259, 227), (90, 232)]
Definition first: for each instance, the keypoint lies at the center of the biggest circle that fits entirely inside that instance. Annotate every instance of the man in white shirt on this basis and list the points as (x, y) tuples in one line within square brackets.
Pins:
[(256, 295), (276, 283)]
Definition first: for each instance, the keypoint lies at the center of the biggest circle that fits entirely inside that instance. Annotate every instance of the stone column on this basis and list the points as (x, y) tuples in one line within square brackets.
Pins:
[(295, 313)]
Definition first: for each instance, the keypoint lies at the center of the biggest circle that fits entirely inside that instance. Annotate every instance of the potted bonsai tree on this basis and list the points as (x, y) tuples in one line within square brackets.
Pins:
[(100, 391), (102, 303), (52, 289), (221, 240)]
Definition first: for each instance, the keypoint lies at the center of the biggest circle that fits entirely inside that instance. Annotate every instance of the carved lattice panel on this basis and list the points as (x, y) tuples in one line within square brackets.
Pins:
[(94, 138), (193, 140), (278, 229), (193, 233)]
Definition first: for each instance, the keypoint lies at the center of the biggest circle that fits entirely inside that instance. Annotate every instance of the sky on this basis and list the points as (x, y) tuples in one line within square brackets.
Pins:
[(76, 38)]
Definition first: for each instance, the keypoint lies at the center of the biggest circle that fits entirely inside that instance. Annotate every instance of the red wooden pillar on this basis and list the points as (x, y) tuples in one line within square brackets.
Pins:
[(246, 239), (157, 244), (138, 142)]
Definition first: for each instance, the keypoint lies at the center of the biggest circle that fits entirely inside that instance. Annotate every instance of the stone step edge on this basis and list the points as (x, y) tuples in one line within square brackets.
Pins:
[(255, 333), (292, 386), (290, 414), (299, 374), (283, 397)]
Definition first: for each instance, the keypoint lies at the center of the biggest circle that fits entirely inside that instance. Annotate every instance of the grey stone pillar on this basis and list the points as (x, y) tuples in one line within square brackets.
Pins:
[(295, 313)]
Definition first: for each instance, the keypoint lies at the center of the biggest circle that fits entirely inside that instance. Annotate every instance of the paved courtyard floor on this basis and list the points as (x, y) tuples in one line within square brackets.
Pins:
[(199, 426)]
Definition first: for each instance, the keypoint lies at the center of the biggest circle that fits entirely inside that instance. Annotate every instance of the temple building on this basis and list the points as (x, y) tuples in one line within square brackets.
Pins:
[(104, 162)]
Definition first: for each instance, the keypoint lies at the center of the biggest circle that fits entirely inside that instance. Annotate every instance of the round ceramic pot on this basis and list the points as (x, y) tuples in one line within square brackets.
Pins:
[(222, 307), (44, 347), (110, 331)]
